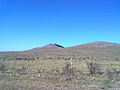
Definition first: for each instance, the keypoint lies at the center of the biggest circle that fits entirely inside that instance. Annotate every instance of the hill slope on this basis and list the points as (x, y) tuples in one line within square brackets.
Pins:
[(94, 48)]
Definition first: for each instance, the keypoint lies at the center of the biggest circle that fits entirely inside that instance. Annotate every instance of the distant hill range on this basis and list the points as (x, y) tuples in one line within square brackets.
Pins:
[(97, 48), (96, 44)]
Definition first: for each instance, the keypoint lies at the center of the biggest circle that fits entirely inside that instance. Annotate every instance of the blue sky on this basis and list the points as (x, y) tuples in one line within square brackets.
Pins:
[(26, 24)]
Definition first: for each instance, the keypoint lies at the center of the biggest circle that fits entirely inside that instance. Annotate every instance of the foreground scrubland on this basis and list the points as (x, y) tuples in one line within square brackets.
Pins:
[(70, 74)]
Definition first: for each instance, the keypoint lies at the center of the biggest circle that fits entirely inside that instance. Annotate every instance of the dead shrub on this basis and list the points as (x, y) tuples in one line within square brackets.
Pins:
[(93, 67)]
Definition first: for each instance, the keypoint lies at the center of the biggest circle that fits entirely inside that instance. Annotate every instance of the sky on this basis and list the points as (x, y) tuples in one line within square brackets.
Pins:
[(26, 24)]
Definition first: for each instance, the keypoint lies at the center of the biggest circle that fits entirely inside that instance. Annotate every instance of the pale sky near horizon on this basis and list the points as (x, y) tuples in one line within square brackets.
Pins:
[(25, 24)]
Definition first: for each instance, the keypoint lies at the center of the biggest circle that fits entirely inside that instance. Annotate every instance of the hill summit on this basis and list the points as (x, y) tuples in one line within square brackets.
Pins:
[(101, 44), (48, 47)]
